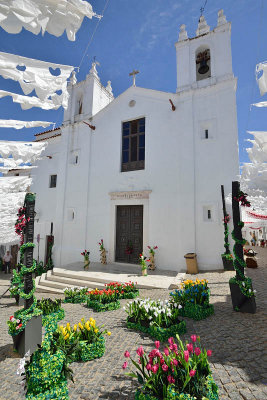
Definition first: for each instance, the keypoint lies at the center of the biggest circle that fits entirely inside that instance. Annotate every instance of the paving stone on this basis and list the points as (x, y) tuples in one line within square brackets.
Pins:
[(238, 364)]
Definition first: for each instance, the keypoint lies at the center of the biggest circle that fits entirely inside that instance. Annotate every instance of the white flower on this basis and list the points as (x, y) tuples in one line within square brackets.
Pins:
[(249, 290), (180, 306), (243, 283), (124, 308), (166, 301), (255, 291), (150, 317), (18, 321), (156, 314), (175, 305), (12, 319)]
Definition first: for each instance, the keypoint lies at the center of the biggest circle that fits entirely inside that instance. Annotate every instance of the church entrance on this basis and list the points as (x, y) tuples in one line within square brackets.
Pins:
[(129, 234)]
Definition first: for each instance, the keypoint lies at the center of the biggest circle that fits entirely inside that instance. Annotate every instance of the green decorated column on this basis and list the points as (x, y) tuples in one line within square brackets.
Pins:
[(28, 253)]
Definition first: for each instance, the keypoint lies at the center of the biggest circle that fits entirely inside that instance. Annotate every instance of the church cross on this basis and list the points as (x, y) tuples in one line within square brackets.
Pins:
[(133, 75)]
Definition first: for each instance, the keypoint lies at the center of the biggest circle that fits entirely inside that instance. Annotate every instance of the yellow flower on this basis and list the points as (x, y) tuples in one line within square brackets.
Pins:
[(61, 326), (80, 326), (82, 319), (96, 330), (108, 333), (75, 328), (68, 326), (66, 337), (87, 326)]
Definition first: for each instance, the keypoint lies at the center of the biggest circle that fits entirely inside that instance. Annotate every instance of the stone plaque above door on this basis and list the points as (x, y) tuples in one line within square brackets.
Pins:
[(141, 194)]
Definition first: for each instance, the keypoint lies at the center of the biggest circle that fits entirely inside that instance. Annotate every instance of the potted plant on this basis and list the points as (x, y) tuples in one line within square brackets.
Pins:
[(75, 294), (142, 261), (180, 371), (86, 260)]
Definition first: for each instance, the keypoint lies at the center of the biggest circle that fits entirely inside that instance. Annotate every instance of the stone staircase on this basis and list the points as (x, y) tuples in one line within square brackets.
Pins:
[(58, 279)]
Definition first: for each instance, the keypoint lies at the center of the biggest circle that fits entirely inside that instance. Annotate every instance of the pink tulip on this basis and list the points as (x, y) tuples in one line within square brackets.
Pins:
[(197, 351), (126, 354), (170, 379), (157, 344), (175, 362), (190, 347), (170, 340), (186, 355), (165, 367), (209, 353), (192, 372), (166, 352), (148, 366), (140, 351), (155, 368), (124, 366), (194, 338)]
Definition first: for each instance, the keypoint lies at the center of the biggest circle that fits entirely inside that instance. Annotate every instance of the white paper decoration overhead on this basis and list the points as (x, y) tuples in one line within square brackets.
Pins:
[(27, 102), (22, 152), (11, 123), (52, 16), (47, 79), (262, 80)]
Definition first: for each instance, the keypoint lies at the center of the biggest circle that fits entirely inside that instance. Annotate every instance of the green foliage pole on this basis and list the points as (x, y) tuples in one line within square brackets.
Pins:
[(226, 231), (28, 253), (239, 262)]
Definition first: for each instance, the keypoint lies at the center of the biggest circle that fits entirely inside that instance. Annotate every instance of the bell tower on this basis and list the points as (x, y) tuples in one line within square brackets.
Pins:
[(206, 58)]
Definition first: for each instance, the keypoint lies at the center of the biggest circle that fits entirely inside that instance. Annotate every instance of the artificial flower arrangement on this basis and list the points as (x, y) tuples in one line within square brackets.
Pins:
[(142, 261), (15, 283), (127, 290), (86, 260), (249, 253), (157, 318), (103, 252), (180, 372), (103, 300), (152, 266), (75, 294), (51, 310), (193, 299), (90, 338)]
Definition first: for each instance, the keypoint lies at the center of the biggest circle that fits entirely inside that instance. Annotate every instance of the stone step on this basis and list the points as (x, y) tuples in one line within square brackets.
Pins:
[(68, 281)]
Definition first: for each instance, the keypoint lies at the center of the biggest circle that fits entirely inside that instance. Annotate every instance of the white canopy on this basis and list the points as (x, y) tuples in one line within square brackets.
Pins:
[(11, 123)]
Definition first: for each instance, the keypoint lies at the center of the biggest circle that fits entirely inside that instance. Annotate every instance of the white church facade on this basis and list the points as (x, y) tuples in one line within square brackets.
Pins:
[(144, 168)]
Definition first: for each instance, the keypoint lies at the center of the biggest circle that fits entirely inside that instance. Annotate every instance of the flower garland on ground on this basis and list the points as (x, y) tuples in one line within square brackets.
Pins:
[(24, 315)]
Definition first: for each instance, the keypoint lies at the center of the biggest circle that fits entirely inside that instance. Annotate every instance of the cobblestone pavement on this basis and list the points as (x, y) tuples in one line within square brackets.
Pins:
[(239, 360)]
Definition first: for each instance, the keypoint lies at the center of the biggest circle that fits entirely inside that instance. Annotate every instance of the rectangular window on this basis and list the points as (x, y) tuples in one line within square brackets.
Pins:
[(209, 214), (53, 181), (133, 145), (206, 134)]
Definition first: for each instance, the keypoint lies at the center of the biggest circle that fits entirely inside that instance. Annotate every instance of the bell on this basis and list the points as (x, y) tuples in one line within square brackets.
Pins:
[(203, 67)]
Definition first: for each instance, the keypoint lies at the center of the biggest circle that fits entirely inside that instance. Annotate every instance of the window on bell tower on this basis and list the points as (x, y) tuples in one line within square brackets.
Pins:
[(203, 63)]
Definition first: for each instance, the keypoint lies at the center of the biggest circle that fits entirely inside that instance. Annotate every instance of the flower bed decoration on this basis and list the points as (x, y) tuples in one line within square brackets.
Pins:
[(156, 318), (103, 300), (75, 294), (192, 300), (127, 290), (180, 372), (89, 336)]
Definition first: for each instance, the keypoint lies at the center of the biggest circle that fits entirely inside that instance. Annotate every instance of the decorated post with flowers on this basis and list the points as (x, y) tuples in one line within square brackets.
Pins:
[(142, 261), (242, 293), (25, 326), (86, 260), (227, 257), (152, 266), (103, 252)]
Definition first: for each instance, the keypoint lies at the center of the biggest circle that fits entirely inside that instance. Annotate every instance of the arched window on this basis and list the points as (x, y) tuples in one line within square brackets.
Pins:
[(203, 63)]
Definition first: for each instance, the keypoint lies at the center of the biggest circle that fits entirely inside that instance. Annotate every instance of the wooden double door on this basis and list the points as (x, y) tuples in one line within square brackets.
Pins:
[(129, 234)]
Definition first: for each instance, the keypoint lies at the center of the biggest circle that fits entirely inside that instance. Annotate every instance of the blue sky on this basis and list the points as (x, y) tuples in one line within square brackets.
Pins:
[(141, 35)]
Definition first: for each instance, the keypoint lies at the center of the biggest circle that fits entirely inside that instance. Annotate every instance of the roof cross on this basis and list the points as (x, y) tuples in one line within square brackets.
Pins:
[(133, 75)]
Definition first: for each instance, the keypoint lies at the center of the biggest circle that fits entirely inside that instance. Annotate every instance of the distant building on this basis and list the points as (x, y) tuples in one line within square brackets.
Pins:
[(144, 168)]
